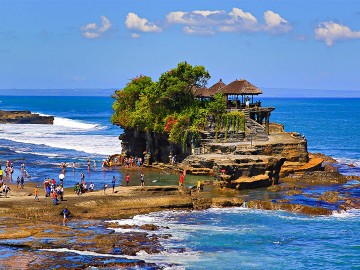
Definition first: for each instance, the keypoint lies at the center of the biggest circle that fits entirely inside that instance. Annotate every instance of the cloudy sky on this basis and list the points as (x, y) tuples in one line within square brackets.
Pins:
[(103, 44)]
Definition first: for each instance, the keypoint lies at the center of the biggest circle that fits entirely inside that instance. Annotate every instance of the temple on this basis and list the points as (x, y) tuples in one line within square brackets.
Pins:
[(239, 96)]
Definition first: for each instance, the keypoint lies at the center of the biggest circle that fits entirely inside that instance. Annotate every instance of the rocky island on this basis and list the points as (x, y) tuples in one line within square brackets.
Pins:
[(24, 117), (220, 130)]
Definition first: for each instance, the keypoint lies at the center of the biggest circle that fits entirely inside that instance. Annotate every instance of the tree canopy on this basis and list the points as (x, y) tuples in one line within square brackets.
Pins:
[(168, 105)]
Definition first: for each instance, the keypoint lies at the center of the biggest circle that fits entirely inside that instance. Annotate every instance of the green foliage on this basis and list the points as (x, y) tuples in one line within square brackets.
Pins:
[(169, 106)]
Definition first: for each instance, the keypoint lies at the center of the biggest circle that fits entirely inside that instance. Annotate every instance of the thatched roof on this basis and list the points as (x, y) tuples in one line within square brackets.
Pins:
[(217, 86), (240, 87), (201, 92)]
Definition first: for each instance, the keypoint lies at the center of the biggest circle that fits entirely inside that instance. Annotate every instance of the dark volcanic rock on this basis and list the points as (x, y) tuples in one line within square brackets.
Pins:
[(24, 117)]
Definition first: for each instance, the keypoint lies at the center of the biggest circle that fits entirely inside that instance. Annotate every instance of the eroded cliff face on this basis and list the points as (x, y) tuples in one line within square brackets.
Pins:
[(24, 117), (154, 147)]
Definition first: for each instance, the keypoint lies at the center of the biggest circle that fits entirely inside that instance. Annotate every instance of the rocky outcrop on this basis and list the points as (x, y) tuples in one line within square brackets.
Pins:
[(322, 177), (238, 171), (153, 147), (24, 117)]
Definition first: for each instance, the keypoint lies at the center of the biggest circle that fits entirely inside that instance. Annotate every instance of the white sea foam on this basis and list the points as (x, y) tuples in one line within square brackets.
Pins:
[(75, 124), (348, 161), (163, 257), (57, 136)]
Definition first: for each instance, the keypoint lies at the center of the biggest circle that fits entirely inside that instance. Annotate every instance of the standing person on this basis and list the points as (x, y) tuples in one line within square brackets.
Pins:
[(142, 181), (1, 173), (66, 214), (82, 176), (127, 178), (113, 184), (18, 182), (55, 197), (36, 192), (198, 185), (22, 181), (88, 164), (105, 187), (181, 179)]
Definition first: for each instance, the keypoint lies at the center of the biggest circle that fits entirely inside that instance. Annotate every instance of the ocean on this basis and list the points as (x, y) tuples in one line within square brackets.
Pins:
[(231, 238)]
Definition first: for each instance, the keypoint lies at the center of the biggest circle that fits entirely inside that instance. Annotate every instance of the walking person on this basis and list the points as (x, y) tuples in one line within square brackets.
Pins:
[(22, 182), (66, 214), (113, 184), (36, 192), (142, 181)]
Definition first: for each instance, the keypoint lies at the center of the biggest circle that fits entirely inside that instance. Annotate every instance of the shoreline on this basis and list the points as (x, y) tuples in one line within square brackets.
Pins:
[(35, 231)]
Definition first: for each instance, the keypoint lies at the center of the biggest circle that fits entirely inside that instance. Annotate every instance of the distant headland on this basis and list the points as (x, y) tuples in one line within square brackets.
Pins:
[(24, 117)]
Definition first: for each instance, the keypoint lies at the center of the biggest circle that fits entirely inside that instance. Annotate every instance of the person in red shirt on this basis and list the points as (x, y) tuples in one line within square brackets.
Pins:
[(181, 180), (55, 198), (127, 178)]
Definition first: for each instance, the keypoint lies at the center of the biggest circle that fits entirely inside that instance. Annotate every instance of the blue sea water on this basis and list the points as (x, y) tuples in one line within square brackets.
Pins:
[(233, 238)]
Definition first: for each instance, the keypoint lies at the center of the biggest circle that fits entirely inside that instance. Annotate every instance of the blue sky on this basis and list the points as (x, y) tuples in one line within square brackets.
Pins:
[(103, 44)]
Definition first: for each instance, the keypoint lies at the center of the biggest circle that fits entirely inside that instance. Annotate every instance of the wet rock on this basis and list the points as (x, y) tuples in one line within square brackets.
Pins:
[(323, 177), (330, 197), (149, 227), (304, 209)]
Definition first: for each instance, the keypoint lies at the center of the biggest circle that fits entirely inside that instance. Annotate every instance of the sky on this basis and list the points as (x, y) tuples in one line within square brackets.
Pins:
[(277, 45)]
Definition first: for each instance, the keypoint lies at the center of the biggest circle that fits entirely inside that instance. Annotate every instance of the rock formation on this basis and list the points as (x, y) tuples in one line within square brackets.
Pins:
[(24, 117)]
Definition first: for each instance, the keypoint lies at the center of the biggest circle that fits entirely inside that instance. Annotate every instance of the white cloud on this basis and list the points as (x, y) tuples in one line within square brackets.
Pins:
[(92, 30), (195, 30), (237, 20), (134, 22), (330, 32), (275, 23)]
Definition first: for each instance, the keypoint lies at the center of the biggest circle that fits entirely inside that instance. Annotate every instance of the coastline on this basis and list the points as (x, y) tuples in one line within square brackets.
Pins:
[(36, 226)]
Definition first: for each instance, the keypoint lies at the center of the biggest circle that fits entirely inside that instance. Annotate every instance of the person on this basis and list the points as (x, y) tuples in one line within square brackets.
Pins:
[(6, 189), (127, 178), (82, 176), (181, 179), (36, 192), (18, 182), (173, 160), (198, 185), (22, 182), (113, 184), (105, 187), (94, 164), (1, 173), (66, 214), (142, 182), (91, 187), (247, 102), (88, 164), (55, 198)]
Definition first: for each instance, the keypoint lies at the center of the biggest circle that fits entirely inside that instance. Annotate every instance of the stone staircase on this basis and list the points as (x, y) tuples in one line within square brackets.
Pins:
[(254, 131)]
